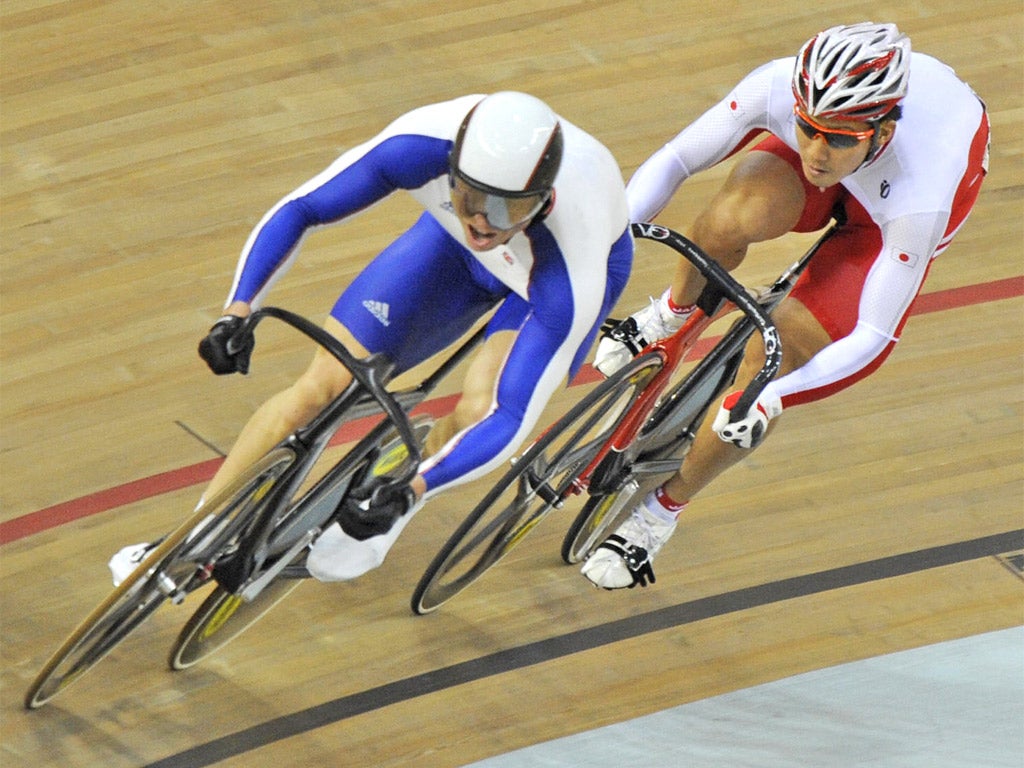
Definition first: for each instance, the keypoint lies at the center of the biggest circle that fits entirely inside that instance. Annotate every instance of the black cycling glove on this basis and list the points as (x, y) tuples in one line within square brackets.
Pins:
[(372, 510), (222, 351)]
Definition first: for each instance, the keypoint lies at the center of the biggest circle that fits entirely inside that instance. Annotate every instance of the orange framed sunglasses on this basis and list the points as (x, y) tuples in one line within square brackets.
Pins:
[(837, 138)]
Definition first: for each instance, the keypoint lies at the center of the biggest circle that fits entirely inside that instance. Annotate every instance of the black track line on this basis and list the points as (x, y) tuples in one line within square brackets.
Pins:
[(559, 646)]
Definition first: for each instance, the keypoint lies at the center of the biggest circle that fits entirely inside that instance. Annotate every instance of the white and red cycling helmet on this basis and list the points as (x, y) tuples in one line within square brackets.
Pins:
[(856, 72)]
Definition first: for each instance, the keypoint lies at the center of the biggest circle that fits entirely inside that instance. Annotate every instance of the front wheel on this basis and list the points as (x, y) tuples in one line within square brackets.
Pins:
[(159, 576), (171, 570), (538, 481)]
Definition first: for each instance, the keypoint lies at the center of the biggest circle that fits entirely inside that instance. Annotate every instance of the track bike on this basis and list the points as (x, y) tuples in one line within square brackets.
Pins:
[(250, 540), (625, 437)]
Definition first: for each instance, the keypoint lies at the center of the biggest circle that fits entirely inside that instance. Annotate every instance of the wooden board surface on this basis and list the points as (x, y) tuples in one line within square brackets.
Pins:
[(141, 143)]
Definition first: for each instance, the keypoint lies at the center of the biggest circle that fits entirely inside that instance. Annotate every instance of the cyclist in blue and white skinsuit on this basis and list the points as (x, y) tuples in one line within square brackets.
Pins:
[(523, 211)]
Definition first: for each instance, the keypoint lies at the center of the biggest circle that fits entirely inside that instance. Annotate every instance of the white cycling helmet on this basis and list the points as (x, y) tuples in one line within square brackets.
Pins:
[(856, 72), (509, 147)]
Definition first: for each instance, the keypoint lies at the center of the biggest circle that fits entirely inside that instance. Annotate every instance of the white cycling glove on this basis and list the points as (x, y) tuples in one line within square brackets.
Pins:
[(750, 430)]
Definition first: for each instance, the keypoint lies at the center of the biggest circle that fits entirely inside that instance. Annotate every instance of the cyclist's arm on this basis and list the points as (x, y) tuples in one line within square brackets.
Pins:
[(537, 365), (541, 360), (891, 287), (712, 137), (354, 182)]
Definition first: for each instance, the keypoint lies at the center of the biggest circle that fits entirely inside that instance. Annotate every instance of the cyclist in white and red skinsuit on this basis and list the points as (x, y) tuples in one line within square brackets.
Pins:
[(859, 124)]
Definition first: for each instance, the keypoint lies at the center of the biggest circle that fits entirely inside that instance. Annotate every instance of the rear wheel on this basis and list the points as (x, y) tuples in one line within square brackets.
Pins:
[(665, 438), (538, 481), (125, 609)]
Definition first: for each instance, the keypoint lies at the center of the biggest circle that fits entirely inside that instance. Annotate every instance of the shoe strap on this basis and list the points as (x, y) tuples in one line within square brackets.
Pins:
[(637, 559), (625, 332)]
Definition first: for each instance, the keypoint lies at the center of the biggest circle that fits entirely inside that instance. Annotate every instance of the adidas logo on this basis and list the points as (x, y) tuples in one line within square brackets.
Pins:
[(378, 309)]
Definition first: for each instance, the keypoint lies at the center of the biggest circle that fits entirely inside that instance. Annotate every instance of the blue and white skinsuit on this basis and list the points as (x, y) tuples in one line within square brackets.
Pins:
[(555, 281)]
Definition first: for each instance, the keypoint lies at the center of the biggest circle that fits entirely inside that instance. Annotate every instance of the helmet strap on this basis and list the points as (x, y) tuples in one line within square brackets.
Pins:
[(877, 145)]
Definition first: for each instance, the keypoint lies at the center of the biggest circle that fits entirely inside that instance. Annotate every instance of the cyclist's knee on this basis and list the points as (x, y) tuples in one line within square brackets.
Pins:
[(468, 410), (477, 396), (715, 231), (802, 334), (472, 408), (326, 378), (762, 199)]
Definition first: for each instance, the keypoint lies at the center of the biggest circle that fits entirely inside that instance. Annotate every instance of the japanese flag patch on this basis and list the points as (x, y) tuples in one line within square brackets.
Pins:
[(905, 258)]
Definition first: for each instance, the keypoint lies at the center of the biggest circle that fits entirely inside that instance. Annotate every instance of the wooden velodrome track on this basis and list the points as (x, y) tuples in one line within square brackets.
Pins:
[(141, 142)]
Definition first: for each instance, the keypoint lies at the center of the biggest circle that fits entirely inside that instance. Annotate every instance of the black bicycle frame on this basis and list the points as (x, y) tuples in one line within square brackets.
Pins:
[(364, 396)]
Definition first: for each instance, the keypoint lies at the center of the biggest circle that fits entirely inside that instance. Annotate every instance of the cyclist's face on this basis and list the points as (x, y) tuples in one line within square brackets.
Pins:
[(476, 210), (824, 163)]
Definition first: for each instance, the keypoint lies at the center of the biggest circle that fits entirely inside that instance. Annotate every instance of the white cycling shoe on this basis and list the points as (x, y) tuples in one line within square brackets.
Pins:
[(336, 556), (127, 559), (624, 559), (622, 343)]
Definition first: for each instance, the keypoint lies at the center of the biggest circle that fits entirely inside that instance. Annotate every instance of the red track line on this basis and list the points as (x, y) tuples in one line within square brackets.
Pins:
[(185, 477)]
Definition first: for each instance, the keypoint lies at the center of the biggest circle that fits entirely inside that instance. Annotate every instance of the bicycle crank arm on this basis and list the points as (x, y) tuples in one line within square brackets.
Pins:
[(253, 589)]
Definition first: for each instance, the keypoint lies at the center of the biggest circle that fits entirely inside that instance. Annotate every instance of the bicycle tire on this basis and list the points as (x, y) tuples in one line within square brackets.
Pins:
[(169, 571), (221, 618), (539, 480), (224, 615)]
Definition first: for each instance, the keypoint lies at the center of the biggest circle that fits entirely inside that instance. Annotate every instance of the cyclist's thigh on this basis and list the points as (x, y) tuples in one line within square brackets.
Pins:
[(761, 199), (326, 377), (825, 303), (483, 370), (418, 296), (831, 286), (801, 333)]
